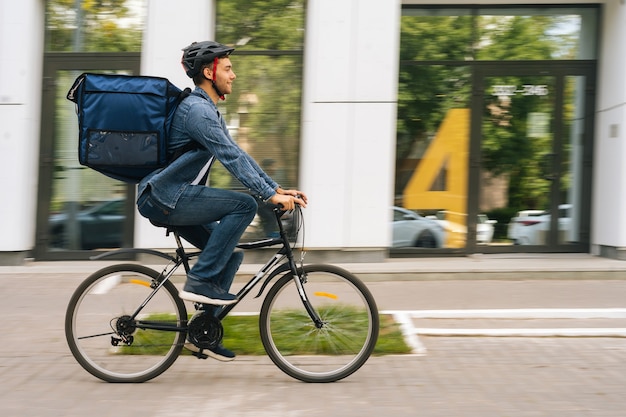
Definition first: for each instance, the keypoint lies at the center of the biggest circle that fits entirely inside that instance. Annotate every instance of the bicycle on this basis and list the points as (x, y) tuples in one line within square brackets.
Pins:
[(317, 323)]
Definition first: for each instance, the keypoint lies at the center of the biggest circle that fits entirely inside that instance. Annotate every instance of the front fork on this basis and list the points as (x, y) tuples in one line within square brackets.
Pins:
[(299, 278), (300, 281)]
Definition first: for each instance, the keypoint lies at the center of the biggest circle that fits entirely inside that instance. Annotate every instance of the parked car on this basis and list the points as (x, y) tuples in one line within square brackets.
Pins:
[(457, 232), (517, 222), (532, 226), (484, 229), (99, 226), (409, 229)]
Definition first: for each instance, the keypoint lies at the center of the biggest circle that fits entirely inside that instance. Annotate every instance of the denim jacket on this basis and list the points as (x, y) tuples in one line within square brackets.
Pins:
[(197, 119)]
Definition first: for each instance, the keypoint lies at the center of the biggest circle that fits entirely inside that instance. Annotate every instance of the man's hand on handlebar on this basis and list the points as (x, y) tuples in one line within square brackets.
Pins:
[(289, 198)]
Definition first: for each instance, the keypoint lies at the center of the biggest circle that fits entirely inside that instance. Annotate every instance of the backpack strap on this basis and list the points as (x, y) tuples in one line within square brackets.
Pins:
[(191, 145), (203, 174)]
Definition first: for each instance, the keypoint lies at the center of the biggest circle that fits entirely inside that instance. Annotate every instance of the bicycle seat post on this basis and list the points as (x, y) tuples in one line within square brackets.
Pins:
[(180, 250)]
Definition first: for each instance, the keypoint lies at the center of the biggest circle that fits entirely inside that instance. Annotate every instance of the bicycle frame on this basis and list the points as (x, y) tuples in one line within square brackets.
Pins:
[(270, 270)]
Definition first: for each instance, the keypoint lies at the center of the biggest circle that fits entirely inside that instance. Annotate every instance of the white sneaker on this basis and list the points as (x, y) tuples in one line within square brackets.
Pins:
[(223, 300)]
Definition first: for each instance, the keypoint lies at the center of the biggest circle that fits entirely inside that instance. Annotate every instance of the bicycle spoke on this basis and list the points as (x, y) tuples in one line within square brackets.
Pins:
[(108, 342), (336, 349)]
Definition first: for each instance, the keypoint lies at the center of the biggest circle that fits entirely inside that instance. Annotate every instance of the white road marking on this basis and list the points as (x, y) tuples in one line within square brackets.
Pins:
[(411, 332), (106, 285), (517, 313)]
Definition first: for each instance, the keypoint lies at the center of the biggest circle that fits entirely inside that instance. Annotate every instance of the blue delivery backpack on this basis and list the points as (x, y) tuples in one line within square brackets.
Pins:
[(124, 123)]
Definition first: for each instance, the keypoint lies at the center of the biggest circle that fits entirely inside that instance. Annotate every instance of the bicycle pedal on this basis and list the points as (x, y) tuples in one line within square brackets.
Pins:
[(200, 355)]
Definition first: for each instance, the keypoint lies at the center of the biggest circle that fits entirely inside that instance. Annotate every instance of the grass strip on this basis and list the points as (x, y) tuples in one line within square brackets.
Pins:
[(241, 334)]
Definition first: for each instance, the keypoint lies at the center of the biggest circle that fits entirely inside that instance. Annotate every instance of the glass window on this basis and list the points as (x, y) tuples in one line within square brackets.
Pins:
[(436, 38), (439, 53), (536, 34), (433, 145), (551, 33), (263, 112), (86, 208), (263, 115), (111, 26), (261, 25)]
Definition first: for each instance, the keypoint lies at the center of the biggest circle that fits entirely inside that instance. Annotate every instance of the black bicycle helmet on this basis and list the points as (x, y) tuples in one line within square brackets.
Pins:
[(199, 53)]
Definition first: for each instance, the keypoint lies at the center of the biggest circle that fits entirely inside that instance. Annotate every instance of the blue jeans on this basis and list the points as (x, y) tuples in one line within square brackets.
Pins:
[(211, 219)]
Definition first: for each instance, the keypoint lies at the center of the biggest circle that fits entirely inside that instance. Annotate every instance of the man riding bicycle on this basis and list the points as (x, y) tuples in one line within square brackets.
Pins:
[(211, 219)]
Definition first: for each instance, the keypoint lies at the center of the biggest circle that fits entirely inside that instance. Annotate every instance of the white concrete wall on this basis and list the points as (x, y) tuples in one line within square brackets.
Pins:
[(170, 26), (21, 68), (609, 179), (348, 122)]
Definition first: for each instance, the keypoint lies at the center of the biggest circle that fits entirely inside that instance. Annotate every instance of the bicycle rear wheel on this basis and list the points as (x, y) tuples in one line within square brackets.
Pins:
[(111, 345), (336, 349)]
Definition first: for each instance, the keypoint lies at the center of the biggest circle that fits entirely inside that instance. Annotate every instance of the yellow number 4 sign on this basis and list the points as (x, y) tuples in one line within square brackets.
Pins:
[(448, 153)]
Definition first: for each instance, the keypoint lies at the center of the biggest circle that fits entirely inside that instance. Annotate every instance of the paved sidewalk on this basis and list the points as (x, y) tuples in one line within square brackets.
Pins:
[(479, 266), (457, 377)]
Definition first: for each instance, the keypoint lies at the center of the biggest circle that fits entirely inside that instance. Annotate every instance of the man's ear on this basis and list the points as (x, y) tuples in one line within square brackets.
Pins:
[(208, 72)]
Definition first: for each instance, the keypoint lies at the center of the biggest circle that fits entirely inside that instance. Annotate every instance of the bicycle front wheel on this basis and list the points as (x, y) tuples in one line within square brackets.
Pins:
[(334, 348), (115, 340)]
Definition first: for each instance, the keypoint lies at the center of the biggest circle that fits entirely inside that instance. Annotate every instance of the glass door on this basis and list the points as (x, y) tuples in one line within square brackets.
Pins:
[(533, 141), (79, 210)]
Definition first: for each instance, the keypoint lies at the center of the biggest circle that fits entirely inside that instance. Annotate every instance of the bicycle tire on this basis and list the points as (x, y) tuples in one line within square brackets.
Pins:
[(337, 349), (96, 312)]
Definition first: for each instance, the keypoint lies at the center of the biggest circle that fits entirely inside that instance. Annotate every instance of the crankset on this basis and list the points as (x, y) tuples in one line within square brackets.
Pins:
[(205, 330)]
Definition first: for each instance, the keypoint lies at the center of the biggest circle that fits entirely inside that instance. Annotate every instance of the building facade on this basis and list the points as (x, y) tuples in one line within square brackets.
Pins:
[(355, 112)]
